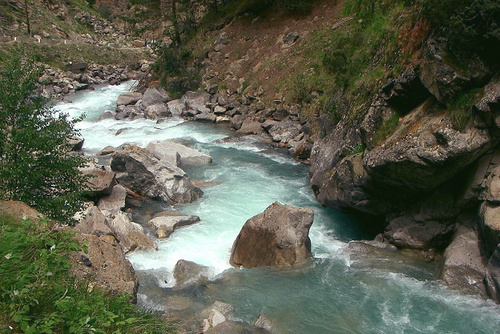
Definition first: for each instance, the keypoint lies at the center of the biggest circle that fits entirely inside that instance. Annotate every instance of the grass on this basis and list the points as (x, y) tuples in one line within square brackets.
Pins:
[(386, 129), (39, 295), (351, 62), (60, 55), (460, 109)]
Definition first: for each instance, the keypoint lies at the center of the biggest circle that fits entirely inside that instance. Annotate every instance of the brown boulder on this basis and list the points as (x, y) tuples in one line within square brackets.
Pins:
[(277, 237), (105, 265), (19, 210)]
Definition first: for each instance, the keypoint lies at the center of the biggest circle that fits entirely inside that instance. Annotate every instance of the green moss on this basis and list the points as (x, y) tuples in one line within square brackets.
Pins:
[(386, 129)]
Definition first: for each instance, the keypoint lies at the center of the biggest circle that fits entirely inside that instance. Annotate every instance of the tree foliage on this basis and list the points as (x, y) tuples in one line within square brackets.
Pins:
[(35, 166)]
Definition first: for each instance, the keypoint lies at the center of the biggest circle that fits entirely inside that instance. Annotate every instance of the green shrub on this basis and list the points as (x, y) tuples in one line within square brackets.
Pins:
[(35, 166), (38, 294), (386, 129)]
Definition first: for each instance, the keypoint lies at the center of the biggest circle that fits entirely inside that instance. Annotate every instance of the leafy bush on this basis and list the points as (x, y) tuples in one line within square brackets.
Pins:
[(38, 294), (35, 166)]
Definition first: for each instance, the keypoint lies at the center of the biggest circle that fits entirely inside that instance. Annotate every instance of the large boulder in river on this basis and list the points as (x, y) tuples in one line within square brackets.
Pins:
[(188, 272), (177, 154), (165, 225), (277, 237), (142, 172)]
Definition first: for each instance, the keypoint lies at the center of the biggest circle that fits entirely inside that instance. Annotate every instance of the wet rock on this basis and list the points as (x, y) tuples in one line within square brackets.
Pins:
[(164, 226), (188, 272), (112, 204), (493, 275), (107, 114), (170, 151), (128, 98), (206, 117), (277, 237), (130, 235), (76, 143), (217, 314), (463, 268), (139, 170), (91, 221), (237, 122), (264, 323), (406, 232), (109, 268), (284, 131)]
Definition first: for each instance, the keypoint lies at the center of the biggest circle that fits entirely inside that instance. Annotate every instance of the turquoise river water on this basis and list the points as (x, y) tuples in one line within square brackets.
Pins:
[(339, 291)]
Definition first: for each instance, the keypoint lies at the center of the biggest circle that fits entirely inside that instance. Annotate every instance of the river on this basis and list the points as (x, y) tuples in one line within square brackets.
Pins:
[(339, 291)]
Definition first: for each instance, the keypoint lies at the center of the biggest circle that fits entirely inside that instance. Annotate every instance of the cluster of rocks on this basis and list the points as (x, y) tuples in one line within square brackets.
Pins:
[(100, 26), (55, 83), (424, 182)]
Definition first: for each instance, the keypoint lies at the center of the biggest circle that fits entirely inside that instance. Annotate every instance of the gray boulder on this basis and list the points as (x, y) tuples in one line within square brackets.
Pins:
[(91, 221), (406, 232), (177, 154), (139, 170), (284, 131), (154, 95), (130, 235), (188, 272), (128, 98), (463, 267), (101, 179), (113, 203), (177, 107), (155, 111), (165, 225), (277, 237), (196, 101)]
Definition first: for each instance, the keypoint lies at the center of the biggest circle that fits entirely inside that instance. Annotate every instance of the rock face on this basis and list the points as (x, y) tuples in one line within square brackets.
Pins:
[(153, 96), (113, 203), (140, 171), (277, 237)]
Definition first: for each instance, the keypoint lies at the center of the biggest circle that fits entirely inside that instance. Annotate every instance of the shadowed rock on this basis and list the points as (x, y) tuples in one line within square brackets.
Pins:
[(277, 237)]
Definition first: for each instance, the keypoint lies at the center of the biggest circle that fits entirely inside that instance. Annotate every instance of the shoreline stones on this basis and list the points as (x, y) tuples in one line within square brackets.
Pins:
[(277, 237)]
